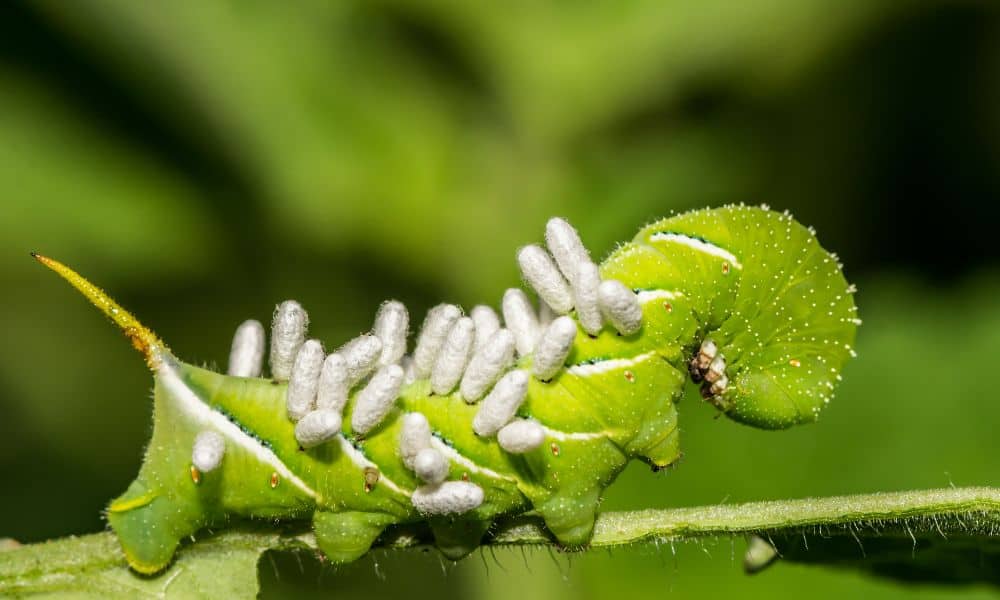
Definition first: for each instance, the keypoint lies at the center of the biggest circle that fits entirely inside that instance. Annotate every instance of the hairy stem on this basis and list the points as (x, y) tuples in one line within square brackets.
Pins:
[(916, 519)]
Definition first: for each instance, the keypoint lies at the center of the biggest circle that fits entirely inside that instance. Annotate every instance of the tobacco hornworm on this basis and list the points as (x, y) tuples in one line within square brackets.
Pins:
[(482, 420)]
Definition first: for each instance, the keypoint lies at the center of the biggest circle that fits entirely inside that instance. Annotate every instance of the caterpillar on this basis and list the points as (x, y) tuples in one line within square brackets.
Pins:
[(487, 418)]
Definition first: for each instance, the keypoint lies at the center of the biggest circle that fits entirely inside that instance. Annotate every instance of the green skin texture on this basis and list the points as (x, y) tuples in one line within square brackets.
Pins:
[(783, 318)]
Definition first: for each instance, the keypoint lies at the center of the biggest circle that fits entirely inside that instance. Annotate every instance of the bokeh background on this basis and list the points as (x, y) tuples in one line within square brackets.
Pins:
[(205, 160)]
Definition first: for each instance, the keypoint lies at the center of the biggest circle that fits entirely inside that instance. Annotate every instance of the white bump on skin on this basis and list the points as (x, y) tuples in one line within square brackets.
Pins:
[(433, 333), (288, 332), (361, 356), (317, 427), (521, 320), (520, 436), (208, 450), (430, 466), (588, 310), (501, 404), (392, 323), (333, 384), (620, 306), (496, 356), (541, 273), (448, 498), (454, 356), (564, 243), (414, 436), (375, 401), (487, 323), (304, 383), (553, 347), (246, 358)]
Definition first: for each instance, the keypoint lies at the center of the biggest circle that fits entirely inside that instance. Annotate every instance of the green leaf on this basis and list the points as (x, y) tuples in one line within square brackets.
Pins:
[(946, 536)]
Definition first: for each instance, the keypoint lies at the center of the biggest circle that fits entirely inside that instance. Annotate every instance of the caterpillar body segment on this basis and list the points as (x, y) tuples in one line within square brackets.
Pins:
[(740, 299)]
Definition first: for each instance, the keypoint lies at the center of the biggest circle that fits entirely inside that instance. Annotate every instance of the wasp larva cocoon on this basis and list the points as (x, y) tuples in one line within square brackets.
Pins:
[(620, 306), (409, 369), (453, 357), (487, 323), (433, 333), (447, 498), (246, 358), (487, 364), (541, 273), (375, 401), (585, 295), (361, 356), (333, 384), (520, 436), (554, 346), (288, 332), (545, 314), (521, 320), (319, 426), (304, 382), (501, 404), (414, 436), (208, 450), (430, 466), (392, 323), (564, 243)]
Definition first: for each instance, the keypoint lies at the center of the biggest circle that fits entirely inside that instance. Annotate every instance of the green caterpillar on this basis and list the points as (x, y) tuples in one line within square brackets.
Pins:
[(482, 421)]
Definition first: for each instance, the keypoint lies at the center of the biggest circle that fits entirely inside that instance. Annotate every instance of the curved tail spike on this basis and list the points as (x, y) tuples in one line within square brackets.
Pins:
[(142, 338)]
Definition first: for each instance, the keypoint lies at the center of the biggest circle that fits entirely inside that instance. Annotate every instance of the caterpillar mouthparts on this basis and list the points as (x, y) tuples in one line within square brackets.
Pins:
[(486, 417)]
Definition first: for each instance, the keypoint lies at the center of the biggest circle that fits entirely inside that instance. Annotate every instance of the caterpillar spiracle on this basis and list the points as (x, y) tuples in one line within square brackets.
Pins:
[(485, 418)]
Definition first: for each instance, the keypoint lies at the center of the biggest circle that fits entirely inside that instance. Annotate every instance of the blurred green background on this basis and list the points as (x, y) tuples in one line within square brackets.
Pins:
[(205, 160)]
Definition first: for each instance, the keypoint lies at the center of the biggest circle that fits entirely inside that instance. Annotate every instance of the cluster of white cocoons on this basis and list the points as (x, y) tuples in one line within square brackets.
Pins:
[(436, 496), (474, 355)]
